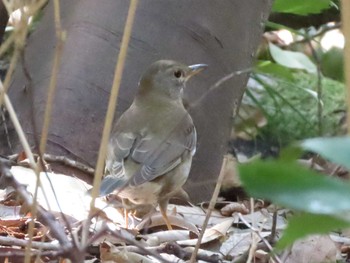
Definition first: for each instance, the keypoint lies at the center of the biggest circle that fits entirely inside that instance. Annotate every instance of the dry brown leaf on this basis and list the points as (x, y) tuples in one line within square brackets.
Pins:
[(263, 219), (316, 249), (157, 220), (112, 254), (207, 253), (234, 207), (238, 242), (262, 255), (169, 258), (231, 178), (216, 232), (158, 238), (196, 215), (71, 192)]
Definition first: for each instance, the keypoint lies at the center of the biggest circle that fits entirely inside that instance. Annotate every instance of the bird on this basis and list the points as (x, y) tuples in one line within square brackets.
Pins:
[(150, 149)]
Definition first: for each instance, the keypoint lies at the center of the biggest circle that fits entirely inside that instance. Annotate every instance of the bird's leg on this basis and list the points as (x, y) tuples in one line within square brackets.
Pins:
[(126, 213), (126, 217), (163, 209)]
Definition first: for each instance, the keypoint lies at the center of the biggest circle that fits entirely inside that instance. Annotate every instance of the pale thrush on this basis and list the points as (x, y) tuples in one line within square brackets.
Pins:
[(151, 146)]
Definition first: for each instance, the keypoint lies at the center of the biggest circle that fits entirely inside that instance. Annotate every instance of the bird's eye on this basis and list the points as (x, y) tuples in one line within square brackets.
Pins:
[(178, 73)]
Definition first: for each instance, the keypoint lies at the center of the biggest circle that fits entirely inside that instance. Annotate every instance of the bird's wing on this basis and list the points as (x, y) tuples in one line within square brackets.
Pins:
[(160, 155), (118, 149)]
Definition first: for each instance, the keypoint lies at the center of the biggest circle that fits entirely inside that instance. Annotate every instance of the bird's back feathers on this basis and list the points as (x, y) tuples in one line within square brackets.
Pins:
[(153, 149)]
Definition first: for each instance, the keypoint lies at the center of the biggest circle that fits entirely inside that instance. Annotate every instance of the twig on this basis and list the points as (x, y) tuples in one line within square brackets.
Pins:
[(33, 208), (335, 170), (8, 178), (110, 111), (209, 210), (319, 86), (253, 245), (272, 236), (38, 168), (320, 32), (139, 245), (113, 100), (173, 248), (51, 158), (264, 240), (18, 254), (9, 73), (41, 147), (53, 81), (6, 44), (219, 83), (18, 37), (66, 161), (18, 128), (12, 241), (47, 218), (243, 258), (106, 230), (345, 16), (6, 129)]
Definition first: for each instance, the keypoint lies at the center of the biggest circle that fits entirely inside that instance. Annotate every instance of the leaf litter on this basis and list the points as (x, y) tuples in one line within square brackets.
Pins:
[(226, 239)]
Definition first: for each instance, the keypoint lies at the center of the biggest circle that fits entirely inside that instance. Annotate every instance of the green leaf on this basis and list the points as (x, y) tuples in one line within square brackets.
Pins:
[(336, 149), (268, 67), (307, 224), (300, 7), (277, 26), (294, 186), (291, 59), (332, 64), (290, 154)]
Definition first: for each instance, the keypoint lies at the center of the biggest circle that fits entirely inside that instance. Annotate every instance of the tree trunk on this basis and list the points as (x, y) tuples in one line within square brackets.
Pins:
[(223, 34)]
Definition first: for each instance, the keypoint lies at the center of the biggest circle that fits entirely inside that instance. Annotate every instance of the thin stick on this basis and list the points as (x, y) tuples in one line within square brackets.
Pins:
[(318, 86), (21, 33), (47, 115), (345, 16), (253, 246), (264, 240), (210, 209), (68, 162), (113, 100), (18, 128), (110, 113), (53, 80), (12, 241), (9, 74), (57, 231), (6, 44)]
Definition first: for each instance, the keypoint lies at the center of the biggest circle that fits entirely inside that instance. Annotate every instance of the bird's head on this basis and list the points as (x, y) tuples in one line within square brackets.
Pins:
[(167, 78)]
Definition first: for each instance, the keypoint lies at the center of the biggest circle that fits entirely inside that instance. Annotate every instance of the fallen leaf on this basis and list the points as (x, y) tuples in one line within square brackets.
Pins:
[(315, 248), (69, 194), (210, 234), (234, 207), (157, 220), (158, 238)]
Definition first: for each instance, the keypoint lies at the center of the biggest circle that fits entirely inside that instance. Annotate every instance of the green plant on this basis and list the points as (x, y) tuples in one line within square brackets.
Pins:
[(323, 202)]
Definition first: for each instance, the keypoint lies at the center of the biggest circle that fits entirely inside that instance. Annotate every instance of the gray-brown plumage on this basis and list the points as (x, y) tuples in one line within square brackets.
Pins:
[(152, 144)]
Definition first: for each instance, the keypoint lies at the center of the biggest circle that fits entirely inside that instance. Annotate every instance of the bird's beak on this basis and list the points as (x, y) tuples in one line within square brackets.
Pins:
[(194, 69)]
